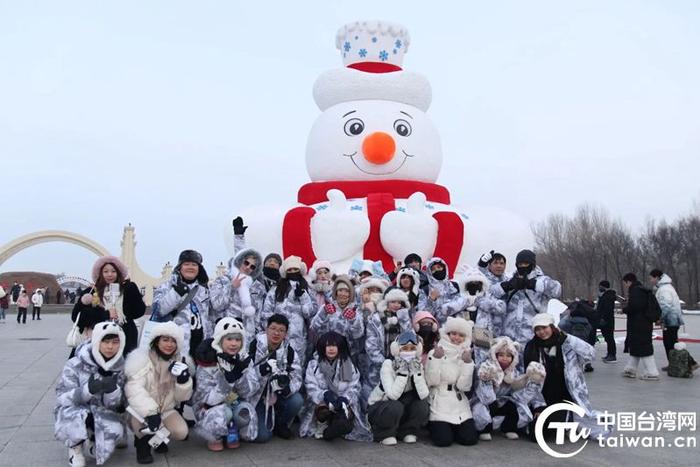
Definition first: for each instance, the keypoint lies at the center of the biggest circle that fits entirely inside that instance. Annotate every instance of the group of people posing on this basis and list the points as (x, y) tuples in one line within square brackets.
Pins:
[(362, 356)]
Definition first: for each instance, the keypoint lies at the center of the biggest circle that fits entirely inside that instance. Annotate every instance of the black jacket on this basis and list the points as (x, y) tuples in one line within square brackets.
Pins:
[(639, 328), (132, 306), (606, 309)]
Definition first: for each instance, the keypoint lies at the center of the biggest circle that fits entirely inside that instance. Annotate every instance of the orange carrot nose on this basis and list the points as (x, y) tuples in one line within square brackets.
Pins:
[(378, 148)]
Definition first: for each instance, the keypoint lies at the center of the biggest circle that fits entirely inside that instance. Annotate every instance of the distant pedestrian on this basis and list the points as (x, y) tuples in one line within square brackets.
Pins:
[(606, 313), (642, 312), (22, 305), (4, 304), (37, 303), (59, 295), (14, 291)]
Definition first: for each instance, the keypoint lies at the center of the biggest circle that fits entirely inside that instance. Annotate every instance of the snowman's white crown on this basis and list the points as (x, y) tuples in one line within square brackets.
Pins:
[(372, 53), (372, 41)]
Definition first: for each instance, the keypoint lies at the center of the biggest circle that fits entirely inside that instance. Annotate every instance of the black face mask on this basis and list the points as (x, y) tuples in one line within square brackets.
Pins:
[(440, 275), (473, 288), (523, 271), (271, 273), (294, 276), (602, 289), (425, 331)]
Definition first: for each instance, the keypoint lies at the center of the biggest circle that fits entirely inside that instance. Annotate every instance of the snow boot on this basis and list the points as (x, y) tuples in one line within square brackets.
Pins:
[(338, 426), (143, 450)]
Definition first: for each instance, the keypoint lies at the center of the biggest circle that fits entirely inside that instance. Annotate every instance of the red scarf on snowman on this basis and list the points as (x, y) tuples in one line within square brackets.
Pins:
[(380, 194)]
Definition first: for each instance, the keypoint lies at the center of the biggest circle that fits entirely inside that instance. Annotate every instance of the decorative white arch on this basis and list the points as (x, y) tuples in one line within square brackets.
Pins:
[(25, 241)]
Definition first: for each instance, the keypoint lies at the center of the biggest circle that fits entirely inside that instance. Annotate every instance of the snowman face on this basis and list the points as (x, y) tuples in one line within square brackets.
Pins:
[(373, 140)]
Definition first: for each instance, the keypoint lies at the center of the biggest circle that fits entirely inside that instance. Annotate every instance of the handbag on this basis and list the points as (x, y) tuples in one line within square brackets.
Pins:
[(74, 337), (482, 337)]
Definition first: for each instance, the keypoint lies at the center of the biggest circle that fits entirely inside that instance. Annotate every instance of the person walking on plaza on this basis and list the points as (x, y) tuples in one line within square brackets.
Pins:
[(606, 313), (642, 312), (14, 291), (37, 302), (22, 305), (671, 315), (4, 304)]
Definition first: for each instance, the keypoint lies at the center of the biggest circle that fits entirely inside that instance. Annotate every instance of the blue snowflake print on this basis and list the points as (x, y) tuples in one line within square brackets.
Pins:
[(374, 39), (321, 207), (383, 56), (362, 53), (346, 46), (398, 43), (356, 207), (429, 206), (464, 215), (401, 209)]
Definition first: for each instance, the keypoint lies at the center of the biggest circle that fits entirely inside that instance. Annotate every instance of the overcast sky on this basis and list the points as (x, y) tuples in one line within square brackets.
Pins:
[(174, 115)]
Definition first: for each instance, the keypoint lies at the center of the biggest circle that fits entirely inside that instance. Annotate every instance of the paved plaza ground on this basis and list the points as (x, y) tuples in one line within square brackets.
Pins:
[(32, 355)]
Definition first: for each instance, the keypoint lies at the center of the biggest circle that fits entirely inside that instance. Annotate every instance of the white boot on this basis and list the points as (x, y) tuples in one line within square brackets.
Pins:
[(410, 439), (90, 448), (485, 437), (75, 456), (512, 435), (390, 441)]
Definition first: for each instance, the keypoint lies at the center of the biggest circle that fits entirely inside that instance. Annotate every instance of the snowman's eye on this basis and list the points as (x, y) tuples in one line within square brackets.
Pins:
[(354, 127), (402, 127)]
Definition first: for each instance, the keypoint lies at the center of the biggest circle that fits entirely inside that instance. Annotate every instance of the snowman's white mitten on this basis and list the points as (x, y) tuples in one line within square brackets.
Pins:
[(338, 232), (413, 231)]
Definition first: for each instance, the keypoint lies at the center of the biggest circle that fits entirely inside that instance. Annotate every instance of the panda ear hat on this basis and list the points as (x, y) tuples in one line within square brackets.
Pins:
[(99, 331), (224, 327)]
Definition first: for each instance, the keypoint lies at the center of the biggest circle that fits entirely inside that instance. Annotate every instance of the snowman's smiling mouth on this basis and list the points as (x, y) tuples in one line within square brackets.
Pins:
[(405, 158)]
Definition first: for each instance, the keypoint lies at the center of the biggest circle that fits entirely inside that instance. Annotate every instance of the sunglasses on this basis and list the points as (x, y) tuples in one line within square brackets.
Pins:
[(408, 338), (249, 264)]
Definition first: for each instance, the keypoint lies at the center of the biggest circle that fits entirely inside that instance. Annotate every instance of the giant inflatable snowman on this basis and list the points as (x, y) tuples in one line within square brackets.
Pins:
[(373, 156)]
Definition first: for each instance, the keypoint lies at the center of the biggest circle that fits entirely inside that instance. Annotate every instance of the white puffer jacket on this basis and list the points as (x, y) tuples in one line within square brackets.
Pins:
[(449, 379), (143, 391)]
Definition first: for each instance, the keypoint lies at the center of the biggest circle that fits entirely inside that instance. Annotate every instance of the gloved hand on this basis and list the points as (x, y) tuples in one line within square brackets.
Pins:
[(330, 398), (282, 381), (267, 367), (439, 352), (402, 367), (486, 259), (109, 384), (340, 402), (350, 313), (180, 287), (232, 366), (330, 308), (153, 422), (298, 290), (238, 227), (467, 356), (180, 370), (530, 283), (94, 385), (415, 367)]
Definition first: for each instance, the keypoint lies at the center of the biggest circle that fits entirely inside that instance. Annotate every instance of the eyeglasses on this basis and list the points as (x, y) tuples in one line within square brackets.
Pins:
[(252, 266), (408, 337)]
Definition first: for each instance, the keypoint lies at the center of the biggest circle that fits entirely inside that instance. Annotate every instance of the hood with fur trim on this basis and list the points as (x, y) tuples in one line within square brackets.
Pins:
[(505, 343), (101, 330), (430, 263), (459, 325), (235, 263), (320, 264), (167, 329), (102, 260), (227, 326), (472, 275), (393, 294), (344, 279), (408, 271)]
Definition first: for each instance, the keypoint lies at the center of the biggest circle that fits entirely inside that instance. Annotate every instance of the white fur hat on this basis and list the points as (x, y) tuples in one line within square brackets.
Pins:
[(393, 295), (224, 327), (472, 275), (320, 264), (99, 331), (292, 262), (374, 281), (459, 325), (505, 343), (542, 319), (168, 329)]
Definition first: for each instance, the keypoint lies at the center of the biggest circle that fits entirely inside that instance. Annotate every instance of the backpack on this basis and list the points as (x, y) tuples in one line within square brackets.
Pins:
[(579, 327), (653, 309)]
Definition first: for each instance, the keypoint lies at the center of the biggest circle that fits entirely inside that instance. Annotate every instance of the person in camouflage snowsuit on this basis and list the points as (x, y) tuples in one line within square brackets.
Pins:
[(395, 315), (441, 289), (189, 279), (371, 354), (90, 397), (224, 384)]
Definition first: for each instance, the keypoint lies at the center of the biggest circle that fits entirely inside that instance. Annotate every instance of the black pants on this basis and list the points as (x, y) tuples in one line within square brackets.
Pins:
[(609, 335), (36, 312), (548, 433), (398, 418), (22, 315), (670, 338), (510, 422), (444, 434)]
